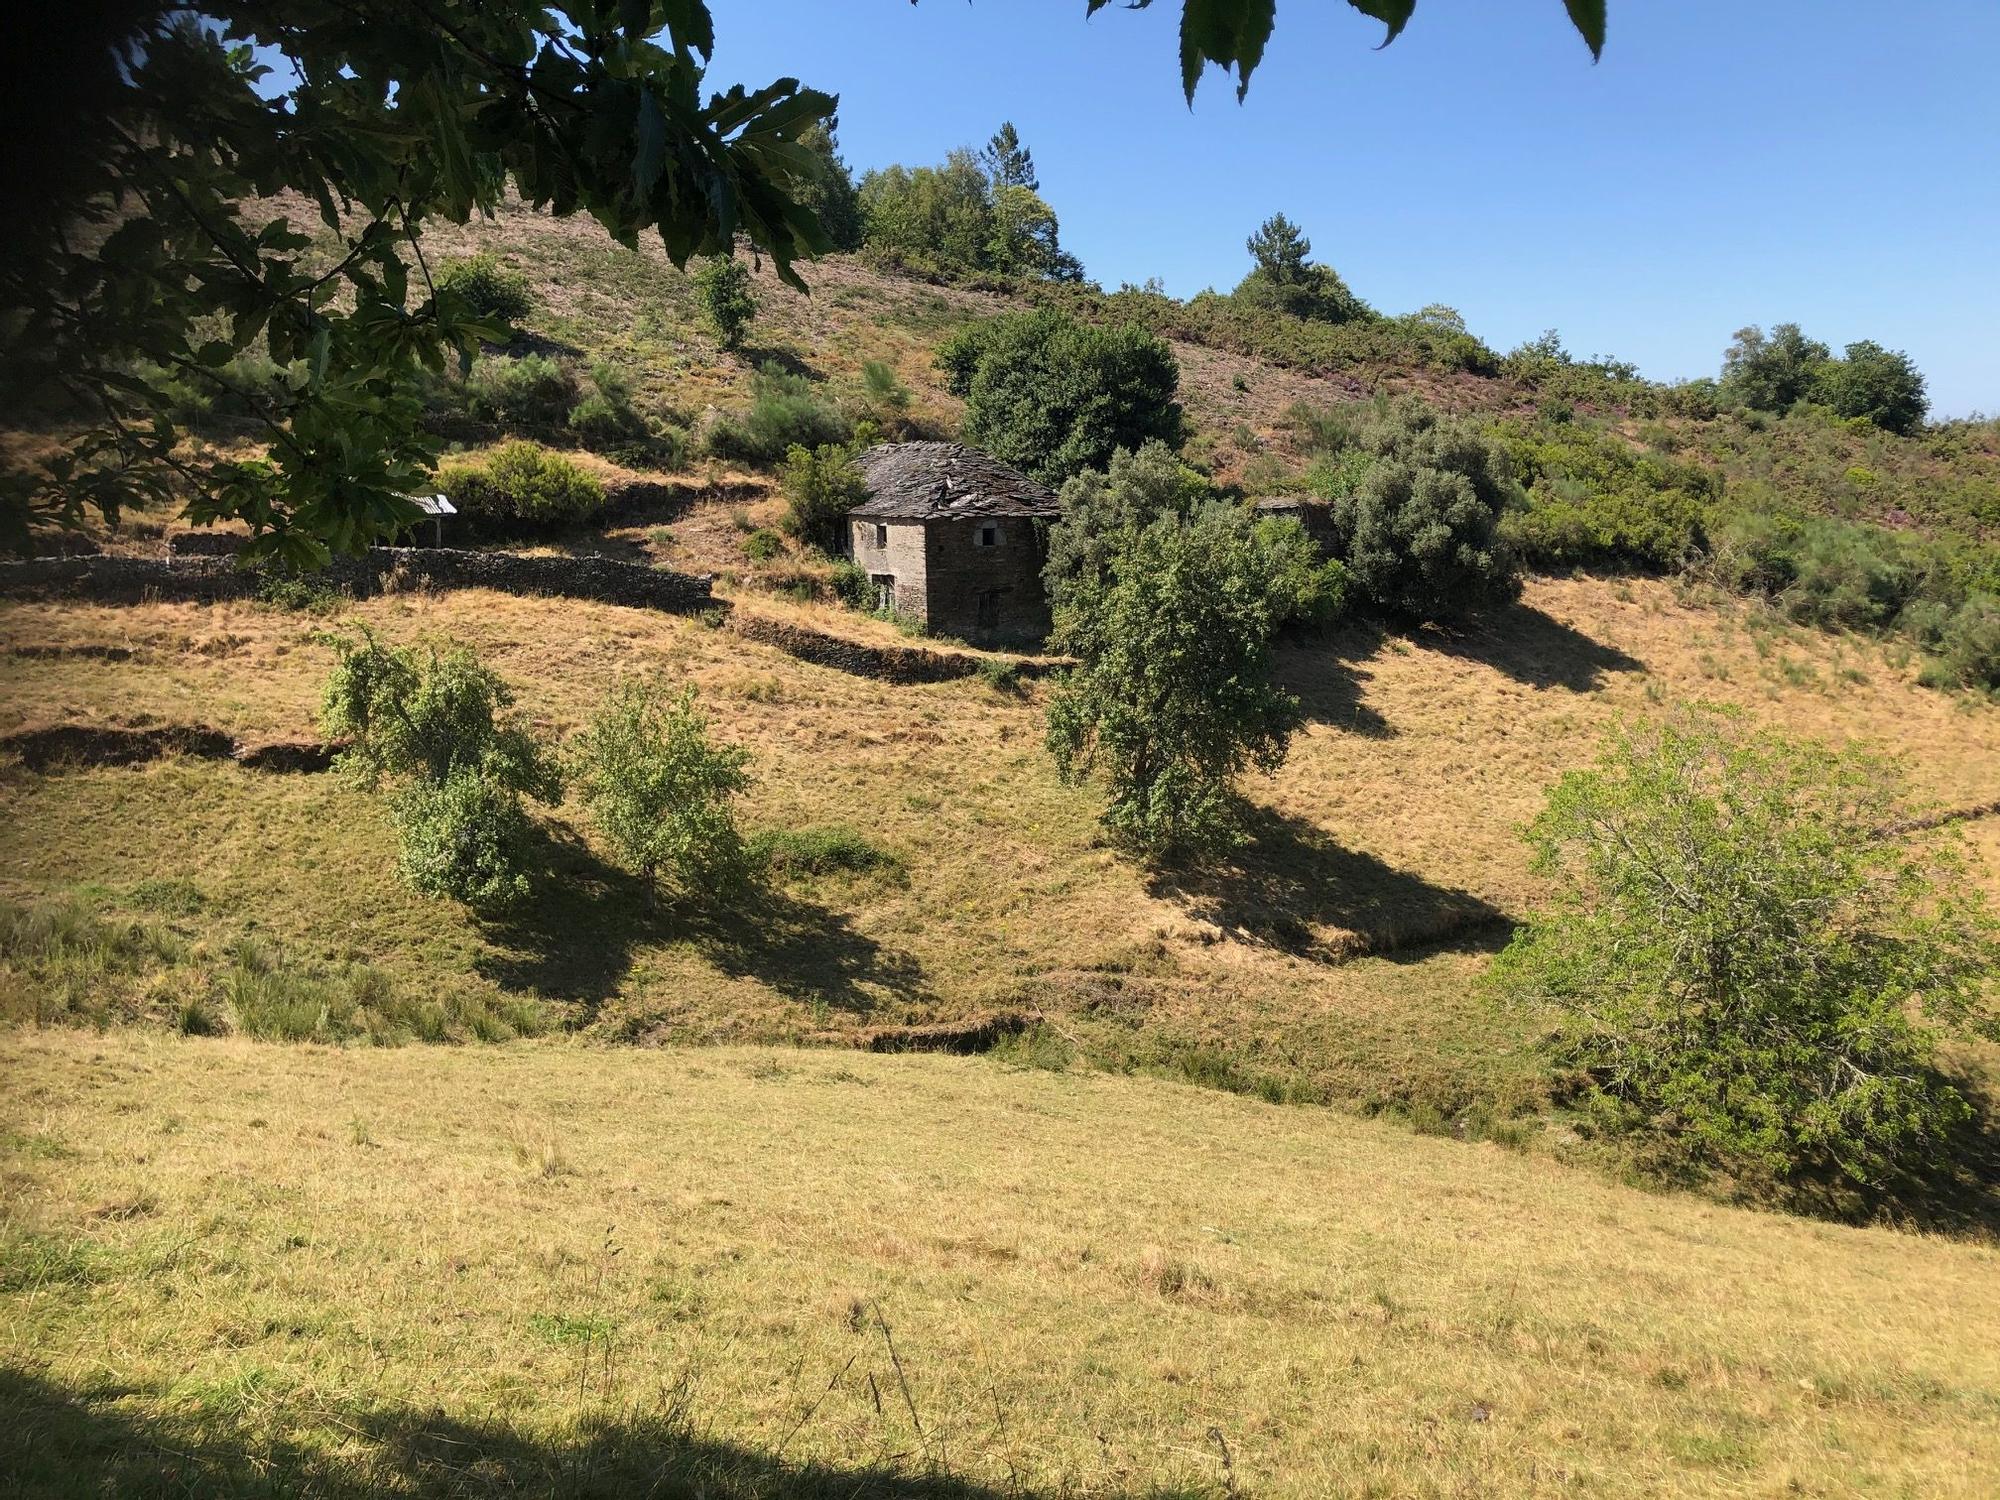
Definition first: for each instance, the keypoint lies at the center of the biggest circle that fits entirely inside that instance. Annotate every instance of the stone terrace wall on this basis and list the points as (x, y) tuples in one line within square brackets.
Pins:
[(884, 663), (129, 579)]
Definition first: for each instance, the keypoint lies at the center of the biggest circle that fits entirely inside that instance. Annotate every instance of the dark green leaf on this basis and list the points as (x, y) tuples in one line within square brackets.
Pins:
[(1589, 18)]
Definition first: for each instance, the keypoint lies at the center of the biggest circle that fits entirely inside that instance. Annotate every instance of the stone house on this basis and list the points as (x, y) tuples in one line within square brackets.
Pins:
[(1316, 516), (954, 538)]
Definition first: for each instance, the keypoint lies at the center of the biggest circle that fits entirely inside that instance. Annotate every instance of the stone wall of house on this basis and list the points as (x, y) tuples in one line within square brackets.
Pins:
[(1009, 574), (902, 557), (130, 579), (1316, 516)]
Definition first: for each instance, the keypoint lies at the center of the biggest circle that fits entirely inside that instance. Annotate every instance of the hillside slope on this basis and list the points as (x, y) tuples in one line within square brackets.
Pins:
[(234, 1268)]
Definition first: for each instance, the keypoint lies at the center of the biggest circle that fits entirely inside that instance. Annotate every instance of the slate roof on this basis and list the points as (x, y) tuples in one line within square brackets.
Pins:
[(942, 481)]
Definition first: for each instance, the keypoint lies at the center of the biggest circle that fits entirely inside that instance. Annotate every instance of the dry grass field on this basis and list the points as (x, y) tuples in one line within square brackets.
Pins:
[(1332, 959), (554, 1268)]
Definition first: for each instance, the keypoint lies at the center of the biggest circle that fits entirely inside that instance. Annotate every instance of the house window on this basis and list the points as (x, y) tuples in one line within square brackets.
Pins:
[(988, 534), (881, 534)]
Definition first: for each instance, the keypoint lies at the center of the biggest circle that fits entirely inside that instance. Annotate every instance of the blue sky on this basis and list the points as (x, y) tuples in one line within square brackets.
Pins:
[(1830, 162)]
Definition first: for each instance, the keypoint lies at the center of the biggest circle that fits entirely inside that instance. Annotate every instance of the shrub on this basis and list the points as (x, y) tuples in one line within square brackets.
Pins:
[(533, 391), (1054, 397), (1419, 531), (1749, 974), (440, 727), (489, 288), (784, 413), (821, 486), (763, 544), (1820, 571), (523, 486), (659, 791), (1772, 372), (884, 397), (722, 292), (850, 585), (1965, 646), (824, 849), (606, 418), (1592, 500)]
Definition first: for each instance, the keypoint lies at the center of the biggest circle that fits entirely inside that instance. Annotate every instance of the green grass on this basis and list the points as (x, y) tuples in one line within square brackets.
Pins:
[(813, 1274)]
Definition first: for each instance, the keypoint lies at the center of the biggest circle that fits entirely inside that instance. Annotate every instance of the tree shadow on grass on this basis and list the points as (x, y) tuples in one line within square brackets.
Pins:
[(788, 360), (1289, 881), (1531, 647), (577, 938), (1321, 671), (57, 1442)]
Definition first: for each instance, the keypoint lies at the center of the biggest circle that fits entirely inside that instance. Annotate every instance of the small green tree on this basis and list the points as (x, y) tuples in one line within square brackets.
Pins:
[(1418, 524), (1750, 968), (1882, 385), (1772, 372), (821, 486), (660, 791), (1285, 278), (1101, 509), (722, 292), (440, 728), (1172, 698), (1053, 396)]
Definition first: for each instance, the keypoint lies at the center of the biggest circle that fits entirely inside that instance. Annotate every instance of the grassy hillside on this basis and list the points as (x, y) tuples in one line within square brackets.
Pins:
[(231, 1268), (1390, 831)]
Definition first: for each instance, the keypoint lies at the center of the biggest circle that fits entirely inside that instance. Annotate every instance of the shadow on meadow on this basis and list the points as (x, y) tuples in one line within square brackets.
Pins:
[(1521, 642), (1291, 885), (579, 936), (1324, 674), (57, 1443)]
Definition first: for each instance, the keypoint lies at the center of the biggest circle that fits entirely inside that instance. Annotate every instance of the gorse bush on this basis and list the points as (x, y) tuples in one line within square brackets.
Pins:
[(1053, 396), (1591, 500), (1419, 526), (763, 544), (532, 391), (722, 293), (490, 288), (850, 585), (1752, 974), (522, 487), (439, 728), (785, 412), (1965, 646), (659, 791), (821, 486)]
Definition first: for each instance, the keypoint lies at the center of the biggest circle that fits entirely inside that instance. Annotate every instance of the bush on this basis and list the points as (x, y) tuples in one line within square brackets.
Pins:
[(821, 486), (1419, 529), (1591, 500), (884, 397), (489, 288), (440, 727), (659, 791), (850, 585), (763, 544), (722, 292), (523, 486), (533, 391), (784, 413), (605, 419), (1965, 646), (1821, 571), (1053, 396), (1750, 975)]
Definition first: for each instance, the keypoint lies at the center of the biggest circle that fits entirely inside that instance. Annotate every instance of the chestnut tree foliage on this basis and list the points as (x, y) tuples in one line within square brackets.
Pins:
[(381, 115)]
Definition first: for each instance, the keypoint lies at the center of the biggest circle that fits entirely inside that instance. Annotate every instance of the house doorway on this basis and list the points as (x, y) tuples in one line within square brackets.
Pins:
[(989, 608), (885, 591)]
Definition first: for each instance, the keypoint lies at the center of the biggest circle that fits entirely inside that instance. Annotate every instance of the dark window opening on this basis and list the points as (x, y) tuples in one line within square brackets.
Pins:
[(881, 535), (989, 534)]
